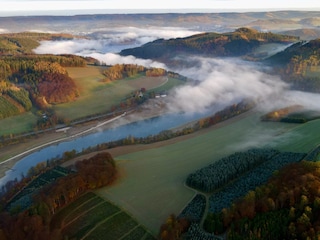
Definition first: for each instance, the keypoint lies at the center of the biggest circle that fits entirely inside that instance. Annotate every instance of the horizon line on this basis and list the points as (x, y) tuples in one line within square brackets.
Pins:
[(74, 12)]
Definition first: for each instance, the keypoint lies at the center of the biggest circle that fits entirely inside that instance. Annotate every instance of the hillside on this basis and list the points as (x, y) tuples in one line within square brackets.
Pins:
[(25, 42), (28, 80), (13, 100), (274, 24), (234, 44), (304, 33), (302, 53), (299, 65)]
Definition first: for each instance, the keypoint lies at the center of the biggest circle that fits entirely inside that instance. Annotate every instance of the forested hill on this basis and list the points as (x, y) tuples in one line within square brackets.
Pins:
[(305, 53), (29, 80), (25, 42), (238, 43), (299, 64)]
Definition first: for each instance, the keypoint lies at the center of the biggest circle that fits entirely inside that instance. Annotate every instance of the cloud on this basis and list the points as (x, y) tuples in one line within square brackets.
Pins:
[(2, 30), (108, 41), (144, 35), (112, 58), (223, 81), (112, 40), (76, 46)]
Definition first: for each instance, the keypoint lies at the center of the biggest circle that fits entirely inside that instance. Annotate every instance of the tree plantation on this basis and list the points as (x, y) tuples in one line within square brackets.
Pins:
[(277, 198)]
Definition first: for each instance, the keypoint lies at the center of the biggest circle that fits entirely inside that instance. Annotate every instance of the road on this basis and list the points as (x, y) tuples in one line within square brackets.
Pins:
[(63, 139)]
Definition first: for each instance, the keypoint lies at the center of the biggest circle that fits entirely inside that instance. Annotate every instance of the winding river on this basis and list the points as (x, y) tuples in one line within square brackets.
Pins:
[(141, 128)]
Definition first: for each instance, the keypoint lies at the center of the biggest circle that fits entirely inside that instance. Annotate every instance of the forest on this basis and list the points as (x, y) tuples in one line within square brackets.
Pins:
[(287, 207), (278, 199), (49, 196), (238, 43), (296, 63), (42, 80)]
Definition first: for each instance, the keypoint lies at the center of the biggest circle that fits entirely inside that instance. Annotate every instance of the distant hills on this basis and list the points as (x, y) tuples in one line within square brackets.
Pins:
[(25, 42), (304, 33), (298, 64), (233, 44), (220, 22)]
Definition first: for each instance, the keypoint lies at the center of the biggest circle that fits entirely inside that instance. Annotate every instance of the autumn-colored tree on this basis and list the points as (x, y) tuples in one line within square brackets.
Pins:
[(173, 228)]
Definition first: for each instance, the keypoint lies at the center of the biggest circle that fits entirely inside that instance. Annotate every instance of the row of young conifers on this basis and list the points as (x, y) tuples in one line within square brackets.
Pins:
[(228, 179)]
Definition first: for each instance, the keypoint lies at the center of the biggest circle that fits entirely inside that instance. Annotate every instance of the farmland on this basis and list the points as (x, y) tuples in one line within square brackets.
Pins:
[(98, 97), (166, 168), (18, 124), (92, 217), (300, 139)]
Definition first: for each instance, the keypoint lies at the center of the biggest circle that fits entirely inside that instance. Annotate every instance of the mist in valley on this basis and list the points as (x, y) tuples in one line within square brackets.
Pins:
[(219, 82)]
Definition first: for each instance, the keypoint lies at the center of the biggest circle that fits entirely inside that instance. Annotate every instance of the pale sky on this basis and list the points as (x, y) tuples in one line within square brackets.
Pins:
[(24, 6)]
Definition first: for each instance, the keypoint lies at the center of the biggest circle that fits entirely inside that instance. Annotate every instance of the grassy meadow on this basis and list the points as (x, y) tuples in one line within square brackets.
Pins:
[(302, 138), (152, 182), (18, 124), (98, 97), (95, 97)]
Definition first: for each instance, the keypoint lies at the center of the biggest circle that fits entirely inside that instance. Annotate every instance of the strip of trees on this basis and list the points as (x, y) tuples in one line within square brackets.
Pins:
[(120, 71)]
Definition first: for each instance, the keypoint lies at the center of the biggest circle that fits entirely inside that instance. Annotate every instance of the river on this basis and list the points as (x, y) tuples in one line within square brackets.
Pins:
[(141, 128)]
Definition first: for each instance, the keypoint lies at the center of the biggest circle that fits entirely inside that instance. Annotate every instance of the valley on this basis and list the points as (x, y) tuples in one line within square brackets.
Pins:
[(163, 108)]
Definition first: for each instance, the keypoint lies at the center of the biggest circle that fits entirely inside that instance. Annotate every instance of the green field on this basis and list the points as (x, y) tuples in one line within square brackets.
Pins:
[(172, 82), (91, 217), (98, 97), (95, 97), (302, 138), (153, 187), (18, 124)]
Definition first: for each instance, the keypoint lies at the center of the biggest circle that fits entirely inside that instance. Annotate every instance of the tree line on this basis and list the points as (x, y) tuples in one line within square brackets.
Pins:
[(120, 71)]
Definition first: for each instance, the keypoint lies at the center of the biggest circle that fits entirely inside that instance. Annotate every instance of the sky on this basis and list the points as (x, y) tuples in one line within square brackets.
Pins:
[(27, 7)]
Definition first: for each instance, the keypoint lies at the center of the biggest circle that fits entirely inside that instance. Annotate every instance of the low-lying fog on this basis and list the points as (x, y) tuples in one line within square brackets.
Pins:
[(220, 81)]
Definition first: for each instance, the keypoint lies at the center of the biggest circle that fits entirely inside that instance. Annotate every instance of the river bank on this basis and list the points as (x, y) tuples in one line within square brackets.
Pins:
[(11, 154), (123, 150), (144, 121)]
